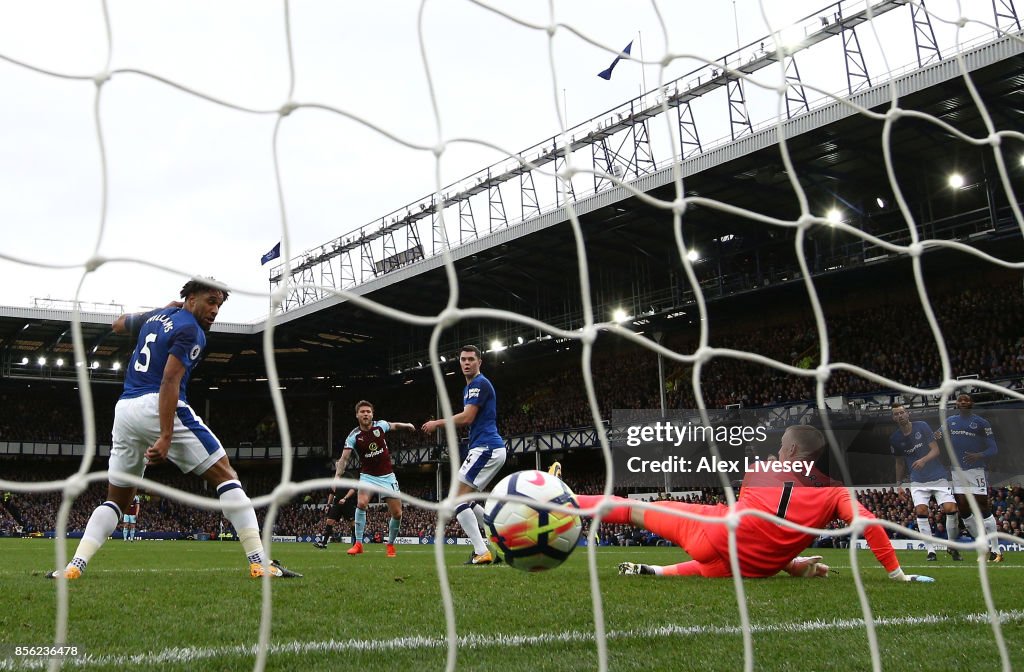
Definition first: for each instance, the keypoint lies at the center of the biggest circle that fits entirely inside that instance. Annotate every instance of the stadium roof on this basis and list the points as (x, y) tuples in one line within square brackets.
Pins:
[(631, 250)]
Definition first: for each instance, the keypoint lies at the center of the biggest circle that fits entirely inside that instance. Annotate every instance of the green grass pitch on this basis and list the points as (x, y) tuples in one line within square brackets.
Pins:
[(191, 606)]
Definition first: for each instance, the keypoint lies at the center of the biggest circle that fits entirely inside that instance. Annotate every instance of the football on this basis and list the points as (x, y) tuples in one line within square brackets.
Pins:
[(530, 536)]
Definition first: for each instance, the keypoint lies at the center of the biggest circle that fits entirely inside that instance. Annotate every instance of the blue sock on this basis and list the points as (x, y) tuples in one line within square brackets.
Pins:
[(360, 525), (393, 526)]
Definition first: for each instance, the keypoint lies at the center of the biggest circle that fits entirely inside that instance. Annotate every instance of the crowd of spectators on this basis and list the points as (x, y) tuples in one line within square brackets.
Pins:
[(891, 339), (9, 525), (886, 334), (1007, 504)]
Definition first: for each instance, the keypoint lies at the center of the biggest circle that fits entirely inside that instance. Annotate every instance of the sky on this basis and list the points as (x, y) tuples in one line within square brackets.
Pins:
[(191, 183)]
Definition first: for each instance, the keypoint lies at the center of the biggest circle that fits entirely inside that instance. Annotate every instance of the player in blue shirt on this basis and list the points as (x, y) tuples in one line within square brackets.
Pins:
[(973, 445), (486, 454), (914, 447), (153, 423)]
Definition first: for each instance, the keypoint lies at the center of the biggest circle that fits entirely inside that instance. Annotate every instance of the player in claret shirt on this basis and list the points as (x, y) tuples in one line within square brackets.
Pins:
[(764, 547), (154, 423), (131, 519), (368, 441)]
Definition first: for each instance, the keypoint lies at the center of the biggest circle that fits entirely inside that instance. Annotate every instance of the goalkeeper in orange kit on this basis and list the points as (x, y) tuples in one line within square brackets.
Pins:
[(764, 547)]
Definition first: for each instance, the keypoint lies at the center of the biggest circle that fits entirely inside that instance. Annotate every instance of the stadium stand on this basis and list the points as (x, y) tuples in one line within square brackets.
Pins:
[(549, 394)]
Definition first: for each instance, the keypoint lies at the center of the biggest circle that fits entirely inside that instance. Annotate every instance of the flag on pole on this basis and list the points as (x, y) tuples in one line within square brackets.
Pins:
[(607, 73), (274, 253)]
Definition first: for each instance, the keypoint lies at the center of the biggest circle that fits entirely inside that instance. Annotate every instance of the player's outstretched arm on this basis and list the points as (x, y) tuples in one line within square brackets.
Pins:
[(877, 539), (130, 322), (466, 417), (407, 426)]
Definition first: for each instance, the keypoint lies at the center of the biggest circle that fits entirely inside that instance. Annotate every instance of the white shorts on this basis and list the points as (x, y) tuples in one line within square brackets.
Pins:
[(973, 481), (129, 519), (921, 493), (194, 448), (481, 465)]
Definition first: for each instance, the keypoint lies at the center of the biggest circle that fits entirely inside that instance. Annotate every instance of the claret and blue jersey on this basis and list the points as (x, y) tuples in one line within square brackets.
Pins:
[(372, 448), (163, 332)]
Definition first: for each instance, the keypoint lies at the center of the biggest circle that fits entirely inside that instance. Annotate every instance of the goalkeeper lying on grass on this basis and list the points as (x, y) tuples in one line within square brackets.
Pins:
[(764, 547)]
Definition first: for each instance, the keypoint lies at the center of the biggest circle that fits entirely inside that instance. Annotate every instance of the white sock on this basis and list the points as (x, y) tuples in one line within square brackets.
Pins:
[(478, 510), (243, 520), (969, 524), (467, 519), (990, 528), (925, 528), (102, 523), (952, 527), (657, 569)]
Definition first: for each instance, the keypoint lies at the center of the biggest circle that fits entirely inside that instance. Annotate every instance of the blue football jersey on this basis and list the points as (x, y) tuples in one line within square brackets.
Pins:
[(971, 434), (484, 431), (914, 446), (164, 332)]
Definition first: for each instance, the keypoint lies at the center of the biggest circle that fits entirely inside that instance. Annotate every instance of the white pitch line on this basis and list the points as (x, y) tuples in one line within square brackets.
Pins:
[(143, 570), (183, 655)]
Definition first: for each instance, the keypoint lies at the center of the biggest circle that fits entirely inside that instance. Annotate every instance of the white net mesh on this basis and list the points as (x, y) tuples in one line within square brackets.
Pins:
[(131, 97)]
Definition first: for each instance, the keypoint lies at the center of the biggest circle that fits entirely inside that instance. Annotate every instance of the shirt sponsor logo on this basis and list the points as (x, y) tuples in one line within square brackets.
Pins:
[(373, 450)]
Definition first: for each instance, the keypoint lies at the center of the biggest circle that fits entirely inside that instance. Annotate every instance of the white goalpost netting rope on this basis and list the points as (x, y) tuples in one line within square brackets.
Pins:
[(675, 209)]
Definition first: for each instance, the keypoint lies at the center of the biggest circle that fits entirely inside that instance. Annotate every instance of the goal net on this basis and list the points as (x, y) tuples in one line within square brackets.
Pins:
[(147, 143)]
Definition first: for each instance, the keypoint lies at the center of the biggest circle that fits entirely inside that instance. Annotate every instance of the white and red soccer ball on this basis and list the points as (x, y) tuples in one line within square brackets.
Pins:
[(530, 536)]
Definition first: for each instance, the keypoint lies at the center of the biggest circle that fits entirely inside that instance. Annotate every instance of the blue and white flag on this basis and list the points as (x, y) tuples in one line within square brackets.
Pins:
[(274, 253), (607, 73)]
